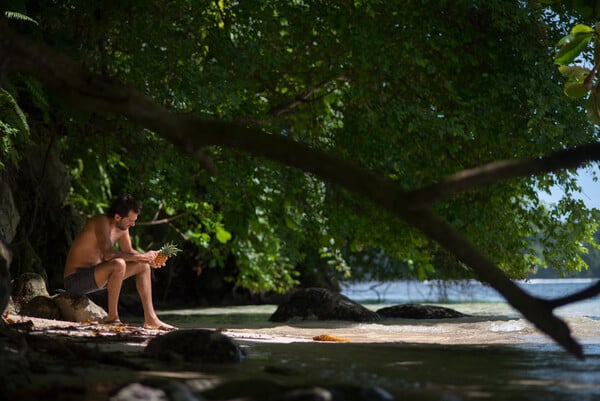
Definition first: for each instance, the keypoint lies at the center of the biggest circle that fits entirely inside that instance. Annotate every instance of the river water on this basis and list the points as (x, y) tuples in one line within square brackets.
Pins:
[(491, 354)]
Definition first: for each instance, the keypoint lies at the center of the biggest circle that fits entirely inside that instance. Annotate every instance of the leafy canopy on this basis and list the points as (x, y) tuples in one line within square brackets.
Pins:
[(411, 90)]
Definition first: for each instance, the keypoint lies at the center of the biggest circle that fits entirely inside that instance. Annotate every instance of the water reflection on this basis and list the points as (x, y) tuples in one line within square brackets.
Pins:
[(493, 354), (433, 372)]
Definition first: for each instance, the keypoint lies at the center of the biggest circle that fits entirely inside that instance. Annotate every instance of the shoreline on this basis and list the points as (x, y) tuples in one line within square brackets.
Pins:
[(250, 324), (88, 361)]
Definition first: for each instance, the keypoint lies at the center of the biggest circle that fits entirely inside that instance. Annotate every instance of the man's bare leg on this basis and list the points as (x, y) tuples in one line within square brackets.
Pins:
[(143, 284), (111, 274)]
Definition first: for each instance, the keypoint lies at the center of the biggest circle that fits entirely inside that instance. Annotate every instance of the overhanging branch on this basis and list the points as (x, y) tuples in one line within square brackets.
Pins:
[(589, 292), (501, 170)]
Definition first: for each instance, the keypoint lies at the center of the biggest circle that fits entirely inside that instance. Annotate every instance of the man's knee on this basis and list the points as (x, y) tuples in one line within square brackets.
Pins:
[(118, 265), (137, 269), (145, 268)]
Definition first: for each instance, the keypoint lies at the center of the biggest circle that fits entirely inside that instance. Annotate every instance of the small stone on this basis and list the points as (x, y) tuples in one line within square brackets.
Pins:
[(154, 390)]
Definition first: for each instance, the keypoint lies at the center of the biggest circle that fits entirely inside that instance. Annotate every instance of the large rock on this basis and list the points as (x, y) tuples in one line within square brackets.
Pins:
[(195, 345), (26, 287), (417, 311), (5, 259), (31, 298), (78, 308), (321, 304), (42, 307), (44, 161), (9, 215)]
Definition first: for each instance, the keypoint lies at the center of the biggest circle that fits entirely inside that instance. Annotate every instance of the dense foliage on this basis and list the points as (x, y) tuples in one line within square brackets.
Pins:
[(412, 90)]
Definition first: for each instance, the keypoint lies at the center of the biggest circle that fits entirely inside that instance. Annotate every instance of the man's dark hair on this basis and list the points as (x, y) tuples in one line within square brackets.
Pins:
[(123, 204)]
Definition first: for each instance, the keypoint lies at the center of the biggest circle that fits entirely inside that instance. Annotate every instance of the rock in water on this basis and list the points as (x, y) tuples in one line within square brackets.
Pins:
[(417, 311), (195, 345), (322, 304)]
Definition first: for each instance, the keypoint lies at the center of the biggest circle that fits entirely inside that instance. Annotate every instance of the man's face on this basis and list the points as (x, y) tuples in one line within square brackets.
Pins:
[(123, 223)]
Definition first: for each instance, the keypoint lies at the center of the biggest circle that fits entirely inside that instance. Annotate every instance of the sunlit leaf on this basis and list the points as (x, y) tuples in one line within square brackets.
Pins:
[(222, 235), (572, 44), (574, 73)]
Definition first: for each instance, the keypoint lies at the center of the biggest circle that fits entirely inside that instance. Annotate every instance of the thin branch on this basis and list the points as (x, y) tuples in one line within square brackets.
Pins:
[(178, 231), (161, 221), (300, 98), (158, 209)]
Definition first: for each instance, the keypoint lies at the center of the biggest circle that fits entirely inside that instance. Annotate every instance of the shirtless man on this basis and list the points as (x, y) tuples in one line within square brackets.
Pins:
[(93, 263)]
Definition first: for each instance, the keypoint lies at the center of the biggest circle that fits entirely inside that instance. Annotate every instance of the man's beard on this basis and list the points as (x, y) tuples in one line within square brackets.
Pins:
[(120, 226)]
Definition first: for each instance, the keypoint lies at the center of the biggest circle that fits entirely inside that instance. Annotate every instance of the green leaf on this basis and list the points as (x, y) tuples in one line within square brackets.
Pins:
[(19, 16), (574, 73), (575, 90), (572, 44), (223, 236)]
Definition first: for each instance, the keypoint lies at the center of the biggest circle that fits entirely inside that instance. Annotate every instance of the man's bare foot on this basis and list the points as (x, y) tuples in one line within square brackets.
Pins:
[(158, 325), (111, 321)]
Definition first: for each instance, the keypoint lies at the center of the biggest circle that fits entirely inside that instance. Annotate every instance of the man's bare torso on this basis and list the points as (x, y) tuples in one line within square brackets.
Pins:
[(86, 249)]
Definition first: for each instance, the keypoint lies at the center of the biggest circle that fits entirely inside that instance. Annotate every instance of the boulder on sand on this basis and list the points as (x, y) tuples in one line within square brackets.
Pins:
[(42, 307), (78, 308), (418, 311), (321, 304), (26, 287)]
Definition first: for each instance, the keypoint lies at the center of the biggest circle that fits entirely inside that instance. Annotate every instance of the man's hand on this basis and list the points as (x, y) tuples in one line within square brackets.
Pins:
[(151, 257)]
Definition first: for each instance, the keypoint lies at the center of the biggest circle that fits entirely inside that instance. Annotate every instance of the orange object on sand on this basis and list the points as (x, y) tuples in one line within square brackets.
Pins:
[(329, 337)]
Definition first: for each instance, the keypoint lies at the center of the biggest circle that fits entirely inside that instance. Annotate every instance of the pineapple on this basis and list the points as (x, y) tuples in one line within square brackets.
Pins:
[(165, 252)]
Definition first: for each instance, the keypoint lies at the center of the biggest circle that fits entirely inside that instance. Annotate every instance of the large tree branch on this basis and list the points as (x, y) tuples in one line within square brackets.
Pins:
[(537, 311), (586, 293), (506, 169), (191, 134)]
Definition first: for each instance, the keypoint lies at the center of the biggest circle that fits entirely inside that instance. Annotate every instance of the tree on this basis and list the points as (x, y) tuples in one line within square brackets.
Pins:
[(426, 114)]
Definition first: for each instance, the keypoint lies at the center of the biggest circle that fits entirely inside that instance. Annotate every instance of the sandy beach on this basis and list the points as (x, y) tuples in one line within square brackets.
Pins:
[(88, 361)]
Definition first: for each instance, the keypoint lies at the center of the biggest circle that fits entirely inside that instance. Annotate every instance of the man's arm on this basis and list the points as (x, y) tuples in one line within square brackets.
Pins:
[(126, 252)]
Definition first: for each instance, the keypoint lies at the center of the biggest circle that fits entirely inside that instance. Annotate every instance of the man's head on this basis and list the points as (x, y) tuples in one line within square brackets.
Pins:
[(125, 210), (123, 205)]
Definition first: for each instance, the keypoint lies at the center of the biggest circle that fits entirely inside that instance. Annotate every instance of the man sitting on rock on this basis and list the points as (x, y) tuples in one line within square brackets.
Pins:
[(93, 263)]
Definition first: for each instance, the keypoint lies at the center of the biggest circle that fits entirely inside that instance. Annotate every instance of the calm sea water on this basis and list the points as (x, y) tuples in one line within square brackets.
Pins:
[(493, 354), (470, 291)]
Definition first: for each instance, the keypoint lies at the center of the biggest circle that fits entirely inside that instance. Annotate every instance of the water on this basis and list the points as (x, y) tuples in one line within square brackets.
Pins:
[(472, 292), (456, 291), (493, 354)]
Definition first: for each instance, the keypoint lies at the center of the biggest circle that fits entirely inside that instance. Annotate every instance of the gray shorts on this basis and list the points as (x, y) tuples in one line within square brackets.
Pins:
[(82, 281)]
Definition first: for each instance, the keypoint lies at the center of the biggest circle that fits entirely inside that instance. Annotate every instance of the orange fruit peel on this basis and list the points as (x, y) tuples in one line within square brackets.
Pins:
[(329, 337)]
